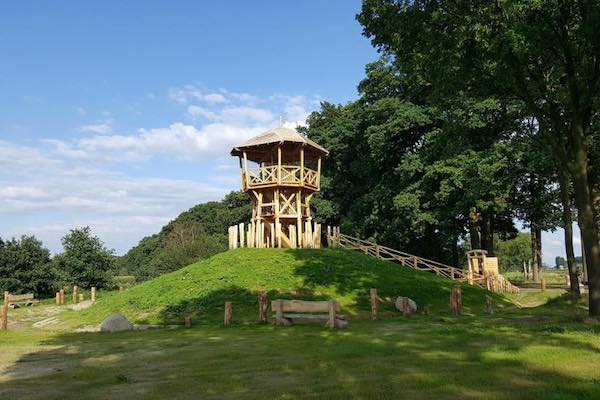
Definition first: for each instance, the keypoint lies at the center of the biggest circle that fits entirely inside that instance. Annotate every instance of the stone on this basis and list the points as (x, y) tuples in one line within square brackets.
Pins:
[(116, 323), (406, 305)]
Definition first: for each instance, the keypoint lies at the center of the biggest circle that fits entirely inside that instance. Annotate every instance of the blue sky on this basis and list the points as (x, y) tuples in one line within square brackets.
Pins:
[(120, 115)]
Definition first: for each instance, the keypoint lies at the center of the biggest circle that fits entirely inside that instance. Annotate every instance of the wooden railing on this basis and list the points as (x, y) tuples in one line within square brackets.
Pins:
[(495, 283), (286, 175)]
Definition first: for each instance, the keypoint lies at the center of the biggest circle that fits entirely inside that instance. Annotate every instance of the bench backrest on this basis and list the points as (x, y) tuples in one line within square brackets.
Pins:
[(302, 306), (20, 297)]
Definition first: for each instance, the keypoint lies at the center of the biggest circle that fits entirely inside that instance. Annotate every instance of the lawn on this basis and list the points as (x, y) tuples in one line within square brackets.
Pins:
[(535, 345), (551, 352)]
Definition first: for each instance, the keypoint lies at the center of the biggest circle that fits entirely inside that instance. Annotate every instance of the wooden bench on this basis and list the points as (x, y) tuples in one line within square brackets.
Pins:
[(288, 311), (18, 300)]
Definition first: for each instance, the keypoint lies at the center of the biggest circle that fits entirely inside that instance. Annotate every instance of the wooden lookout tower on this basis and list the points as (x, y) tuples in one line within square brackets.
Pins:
[(281, 169)]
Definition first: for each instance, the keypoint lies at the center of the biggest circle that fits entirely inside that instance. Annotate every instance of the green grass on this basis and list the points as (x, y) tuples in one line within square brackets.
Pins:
[(535, 345), (201, 289), (551, 352)]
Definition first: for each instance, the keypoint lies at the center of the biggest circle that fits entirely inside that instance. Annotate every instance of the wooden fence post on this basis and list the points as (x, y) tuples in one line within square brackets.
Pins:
[(187, 322), (93, 294), (62, 296), (58, 298), (228, 313), (74, 295), (331, 307), (121, 289), (262, 307), (489, 308), (543, 284), (456, 301), (4, 314), (373, 295), (80, 297), (407, 310)]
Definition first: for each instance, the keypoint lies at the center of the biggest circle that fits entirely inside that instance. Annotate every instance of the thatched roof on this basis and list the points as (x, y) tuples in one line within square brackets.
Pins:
[(277, 135)]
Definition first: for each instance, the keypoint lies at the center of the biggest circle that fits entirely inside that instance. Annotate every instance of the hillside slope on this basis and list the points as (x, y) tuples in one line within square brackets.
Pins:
[(201, 289)]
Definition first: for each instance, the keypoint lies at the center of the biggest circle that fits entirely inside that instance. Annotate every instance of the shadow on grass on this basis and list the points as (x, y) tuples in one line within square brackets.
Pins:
[(210, 307), (420, 358)]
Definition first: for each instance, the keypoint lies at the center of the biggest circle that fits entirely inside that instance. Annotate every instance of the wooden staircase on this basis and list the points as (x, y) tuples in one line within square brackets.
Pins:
[(491, 282)]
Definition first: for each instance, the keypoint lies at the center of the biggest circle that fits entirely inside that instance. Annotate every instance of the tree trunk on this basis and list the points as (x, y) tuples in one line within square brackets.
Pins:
[(474, 229), (534, 261), (538, 249), (487, 233), (585, 206), (567, 221)]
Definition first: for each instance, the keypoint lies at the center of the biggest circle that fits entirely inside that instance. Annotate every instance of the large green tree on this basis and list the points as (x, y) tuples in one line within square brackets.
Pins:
[(25, 266), (408, 174), (545, 53), (85, 261)]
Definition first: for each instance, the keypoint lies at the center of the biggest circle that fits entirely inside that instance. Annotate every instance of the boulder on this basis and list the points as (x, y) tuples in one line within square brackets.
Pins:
[(406, 305), (116, 323)]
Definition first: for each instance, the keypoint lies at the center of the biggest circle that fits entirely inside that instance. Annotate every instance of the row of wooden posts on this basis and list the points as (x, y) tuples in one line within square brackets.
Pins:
[(455, 303), (261, 235), (76, 297)]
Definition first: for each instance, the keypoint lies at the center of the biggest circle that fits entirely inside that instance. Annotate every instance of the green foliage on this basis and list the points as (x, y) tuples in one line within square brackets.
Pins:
[(195, 234), (513, 253), (201, 289), (85, 261), (25, 267)]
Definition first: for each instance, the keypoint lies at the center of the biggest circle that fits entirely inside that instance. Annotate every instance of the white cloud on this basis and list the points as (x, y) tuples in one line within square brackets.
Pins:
[(101, 129), (197, 112), (186, 93), (227, 119)]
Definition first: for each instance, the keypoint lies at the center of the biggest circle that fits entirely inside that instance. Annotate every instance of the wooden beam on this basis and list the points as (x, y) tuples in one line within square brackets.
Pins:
[(246, 170), (319, 173), (302, 165)]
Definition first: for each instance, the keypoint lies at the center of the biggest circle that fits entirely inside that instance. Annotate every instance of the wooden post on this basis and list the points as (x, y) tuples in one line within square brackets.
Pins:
[(543, 284), (331, 307), (4, 314), (74, 295), (373, 295), (62, 296), (489, 307), (187, 322), (262, 307), (58, 298), (242, 234), (80, 297), (279, 313), (328, 235), (456, 301), (93, 294), (228, 313), (121, 289), (246, 173), (299, 219), (407, 310)]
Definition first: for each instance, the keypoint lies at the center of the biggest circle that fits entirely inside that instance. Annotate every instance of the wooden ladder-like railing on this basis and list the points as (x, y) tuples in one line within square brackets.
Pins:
[(492, 282)]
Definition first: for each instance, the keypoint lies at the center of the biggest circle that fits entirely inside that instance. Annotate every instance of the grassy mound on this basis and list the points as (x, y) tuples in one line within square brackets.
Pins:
[(201, 289)]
